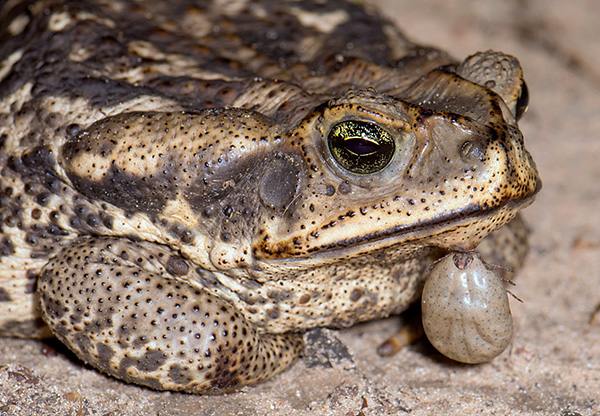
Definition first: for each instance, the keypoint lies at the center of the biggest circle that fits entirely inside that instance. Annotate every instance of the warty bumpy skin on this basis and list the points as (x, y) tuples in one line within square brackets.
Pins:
[(126, 309), (187, 187)]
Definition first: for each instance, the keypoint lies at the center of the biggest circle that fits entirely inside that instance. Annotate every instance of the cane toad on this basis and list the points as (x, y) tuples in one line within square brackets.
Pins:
[(188, 186)]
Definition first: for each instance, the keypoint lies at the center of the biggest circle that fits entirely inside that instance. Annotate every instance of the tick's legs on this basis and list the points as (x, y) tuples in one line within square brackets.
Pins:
[(506, 247)]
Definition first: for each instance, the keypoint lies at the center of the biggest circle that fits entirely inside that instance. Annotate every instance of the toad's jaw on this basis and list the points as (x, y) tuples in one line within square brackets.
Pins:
[(443, 225), (451, 230)]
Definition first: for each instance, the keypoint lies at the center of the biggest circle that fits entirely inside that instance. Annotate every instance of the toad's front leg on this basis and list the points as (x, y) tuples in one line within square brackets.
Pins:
[(118, 306)]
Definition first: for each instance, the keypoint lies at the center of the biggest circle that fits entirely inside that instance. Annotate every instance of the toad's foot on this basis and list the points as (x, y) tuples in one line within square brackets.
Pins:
[(411, 332), (118, 306)]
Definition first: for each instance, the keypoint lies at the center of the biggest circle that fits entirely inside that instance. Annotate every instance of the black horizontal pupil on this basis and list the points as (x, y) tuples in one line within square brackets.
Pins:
[(360, 146)]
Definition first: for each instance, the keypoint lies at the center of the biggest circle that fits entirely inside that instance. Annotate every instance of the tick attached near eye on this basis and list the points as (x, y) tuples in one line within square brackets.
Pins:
[(465, 310), (361, 147)]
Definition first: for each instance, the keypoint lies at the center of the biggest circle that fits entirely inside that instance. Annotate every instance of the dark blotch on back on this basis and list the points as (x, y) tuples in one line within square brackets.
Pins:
[(125, 190), (176, 265), (4, 295), (81, 340), (40, 160), (149, 362), (105, 353), (6, 247), (179, 374)]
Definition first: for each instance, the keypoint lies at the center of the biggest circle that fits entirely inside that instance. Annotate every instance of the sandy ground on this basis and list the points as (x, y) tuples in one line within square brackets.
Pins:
[(553, 365)]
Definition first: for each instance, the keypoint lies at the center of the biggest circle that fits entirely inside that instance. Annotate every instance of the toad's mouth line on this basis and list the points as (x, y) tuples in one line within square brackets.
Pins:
[(412, 233)]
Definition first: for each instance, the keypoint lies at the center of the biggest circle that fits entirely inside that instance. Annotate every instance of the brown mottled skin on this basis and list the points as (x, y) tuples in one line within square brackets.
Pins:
[(170, 204)]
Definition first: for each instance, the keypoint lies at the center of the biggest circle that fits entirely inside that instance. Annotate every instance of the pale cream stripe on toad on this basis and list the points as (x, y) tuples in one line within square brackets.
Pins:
[(60, 20), (171, 64), (323, 22), (7, 64)]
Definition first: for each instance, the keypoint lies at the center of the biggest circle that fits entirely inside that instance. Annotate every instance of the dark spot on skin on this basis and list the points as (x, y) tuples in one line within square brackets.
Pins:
[(345, 188), (40, 160), (42, 198), (244, 297), (31, 239), (32, 279), (356, 294), (305, 298), (151, 360), (124, 332), (53, 185), (73, 130), (54, 229), (6, 247), (77, 315), (179, 375), (186, 236), (273, 295), (82, 341), (107, 220), (105, 353), (4, 295), (141, 341), (92, 220), (273, 313), (278, 184), (177, 266), (74, 222)]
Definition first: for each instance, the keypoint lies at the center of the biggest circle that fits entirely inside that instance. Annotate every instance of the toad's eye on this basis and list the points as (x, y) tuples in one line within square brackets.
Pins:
[(522, 101), (360, 147)]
